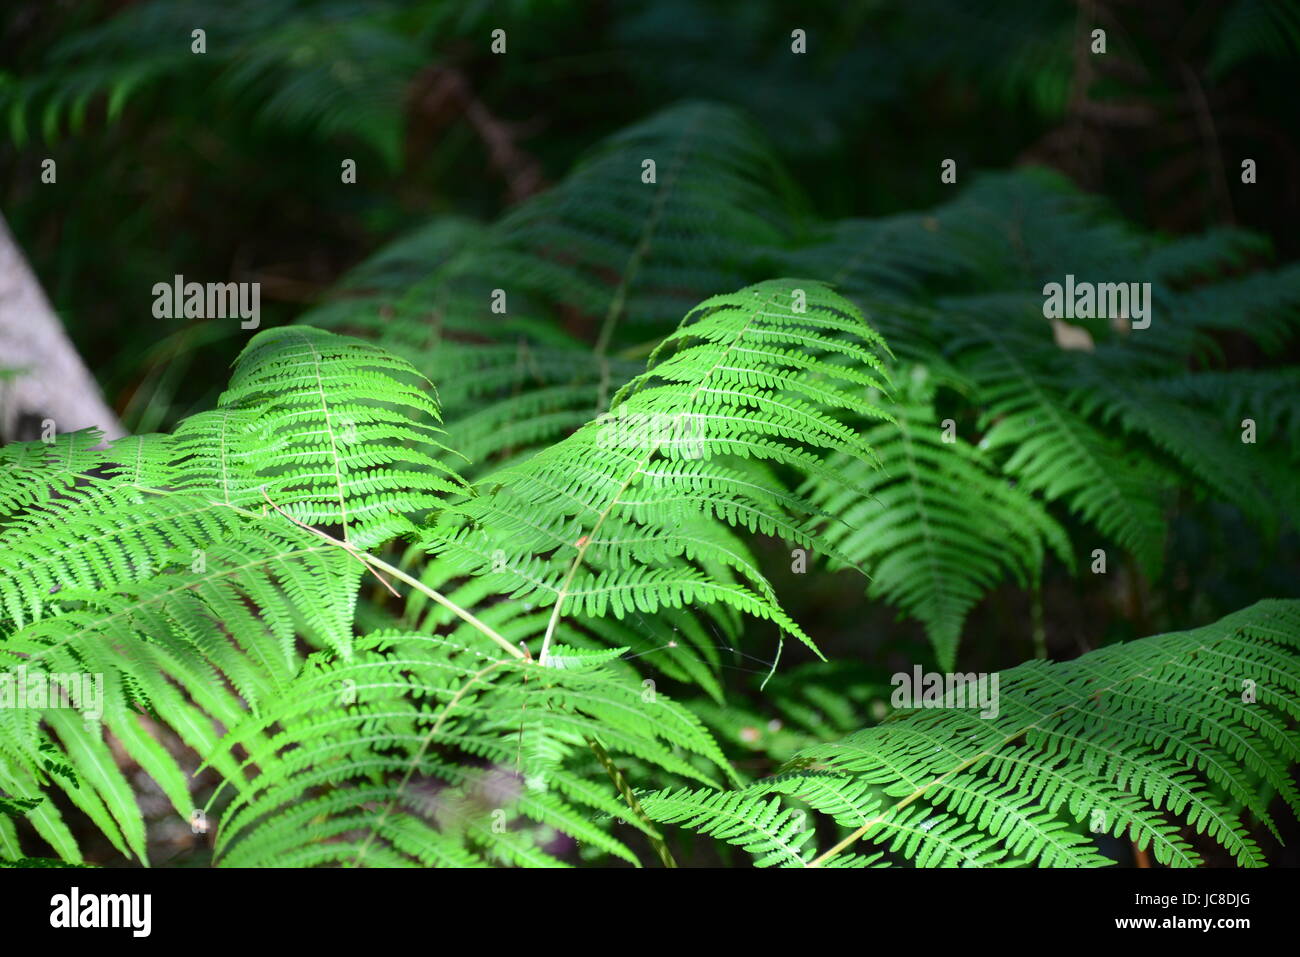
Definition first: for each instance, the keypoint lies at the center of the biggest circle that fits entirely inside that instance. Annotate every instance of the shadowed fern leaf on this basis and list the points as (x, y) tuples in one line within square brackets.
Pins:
[(935, 527)]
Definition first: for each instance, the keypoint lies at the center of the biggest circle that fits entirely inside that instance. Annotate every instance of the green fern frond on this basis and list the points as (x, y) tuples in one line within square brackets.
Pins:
[(1207, 444), (630, 514), (1267, 396), (603, 252), (1141, 740), (773, 834), (935, 527), (190, 558), (1055, 451), (314, 67), (424, 751)]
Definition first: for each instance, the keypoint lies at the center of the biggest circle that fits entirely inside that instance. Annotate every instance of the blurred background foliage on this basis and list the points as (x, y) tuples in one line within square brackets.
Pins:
[(226, 166)]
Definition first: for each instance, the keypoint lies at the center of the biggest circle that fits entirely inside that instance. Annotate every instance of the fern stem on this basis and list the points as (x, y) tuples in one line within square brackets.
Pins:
[(465, 616), (563, 594), (379, 563), (329, 428), (653, 836), (633, 265), (1039, 630)]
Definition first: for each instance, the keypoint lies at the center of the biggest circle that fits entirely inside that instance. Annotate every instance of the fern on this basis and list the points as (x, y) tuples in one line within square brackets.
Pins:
[(239, 581), (425, 751), (189, 558), (603, 251), (956, 291), (321, 450), (313, 67), (1143, 740), (935, 526), (446, 742), (967, 274), (630, 514)]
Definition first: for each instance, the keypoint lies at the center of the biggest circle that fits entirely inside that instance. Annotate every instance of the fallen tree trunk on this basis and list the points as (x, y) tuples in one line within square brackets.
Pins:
[(41, 375)]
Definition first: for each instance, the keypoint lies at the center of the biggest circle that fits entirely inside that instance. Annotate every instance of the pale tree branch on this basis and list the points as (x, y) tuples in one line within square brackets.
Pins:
[(51, 381)]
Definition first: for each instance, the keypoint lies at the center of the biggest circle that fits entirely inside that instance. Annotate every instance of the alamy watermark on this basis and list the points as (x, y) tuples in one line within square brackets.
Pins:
[(931, 689), (129, 911), (81, 691), (179, 299), (1102, 300), (643, 431)]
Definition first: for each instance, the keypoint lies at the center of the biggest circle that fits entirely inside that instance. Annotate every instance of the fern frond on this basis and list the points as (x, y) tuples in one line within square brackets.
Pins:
[(603, 252), (319, 68), (424, 751), (630, 514), (1207, 444), (1141, 740), (190, 558), (773, 834), (935, 527), (1055, 451)]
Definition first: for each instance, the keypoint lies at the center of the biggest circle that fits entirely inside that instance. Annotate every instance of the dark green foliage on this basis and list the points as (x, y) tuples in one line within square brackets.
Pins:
[(1106, 434)]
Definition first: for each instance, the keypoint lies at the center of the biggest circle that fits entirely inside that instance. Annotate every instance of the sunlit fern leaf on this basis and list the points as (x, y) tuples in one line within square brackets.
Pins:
[(345, 430), (683, 643), (189, 559), (631, 513), (936, 526), (426, 751), (1140, 740), (31, 473), (771, 833)]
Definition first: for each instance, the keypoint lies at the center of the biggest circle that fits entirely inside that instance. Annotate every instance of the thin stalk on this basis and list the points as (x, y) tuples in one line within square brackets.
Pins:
[(421, 587), (620, 782)]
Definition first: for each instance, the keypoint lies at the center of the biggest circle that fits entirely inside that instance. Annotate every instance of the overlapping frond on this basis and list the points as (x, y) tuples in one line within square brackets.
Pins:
[(616, 253), (424, 751), (1051, 449), (611, 522), (1143, 740), (180, 571), (935, 526), (633, 513)]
